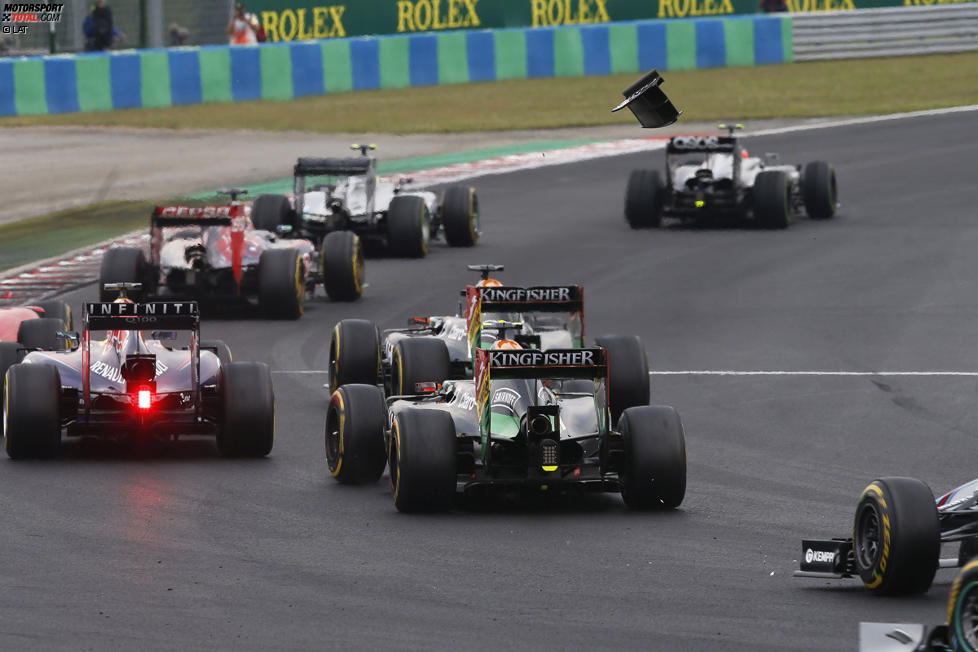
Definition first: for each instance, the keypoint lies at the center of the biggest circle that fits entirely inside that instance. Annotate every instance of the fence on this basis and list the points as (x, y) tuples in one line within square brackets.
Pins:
[(885, 32)]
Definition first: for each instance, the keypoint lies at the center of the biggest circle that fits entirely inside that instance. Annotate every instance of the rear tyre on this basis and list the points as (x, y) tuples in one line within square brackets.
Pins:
[(354, 354), (33, 422), (281, 283), (418, 360), (628, 373), (896, 536), (460, 216), (42, 333), (653, 473), (355, 421), (268, 212), (123, 265), (644, 196), (818, 190), (10, 354), (408, 228), (248, 426), (772, 195), (962, 610), (222, 350), (342, 260), (423, 460), (56, 309)]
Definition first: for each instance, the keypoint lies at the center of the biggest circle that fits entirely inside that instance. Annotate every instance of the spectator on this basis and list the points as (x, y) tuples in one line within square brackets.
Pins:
[(102, 30), (178, 34), (772, 6), (239, 29)]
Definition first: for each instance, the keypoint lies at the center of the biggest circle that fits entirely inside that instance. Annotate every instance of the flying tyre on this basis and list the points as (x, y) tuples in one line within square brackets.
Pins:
[(896, 536), (354, 354), (772, 195), (962, 610), (222, 350), (123, 265), (355, 421), (653, 467), (460, 216), (268, 212), (281, 283), (644, 197), (628, 372), (56, 309), (423, 460), (31, 411), (418, 360), (342, 258), (818, 190), (42, 333), (408, 228), (248, 426), (10, 354)]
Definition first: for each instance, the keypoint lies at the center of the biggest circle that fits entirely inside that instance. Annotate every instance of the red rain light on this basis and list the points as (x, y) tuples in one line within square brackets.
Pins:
[(143, 399)]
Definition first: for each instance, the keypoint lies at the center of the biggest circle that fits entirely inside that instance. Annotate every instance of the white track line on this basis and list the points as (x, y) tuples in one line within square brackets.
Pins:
[(847, 122), (729, 372)]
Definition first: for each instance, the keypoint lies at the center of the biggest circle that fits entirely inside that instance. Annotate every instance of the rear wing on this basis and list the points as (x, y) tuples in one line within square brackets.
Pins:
[(161, 315), (552, 298), (195, 215), (701, 144), (339, 167), (651, 106)]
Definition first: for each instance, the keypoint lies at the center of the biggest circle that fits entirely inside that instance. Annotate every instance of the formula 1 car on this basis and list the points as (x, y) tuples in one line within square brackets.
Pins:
[(712, 179), (531, 421), (350, 197), (133, 385), (897, 536), (215, 253)]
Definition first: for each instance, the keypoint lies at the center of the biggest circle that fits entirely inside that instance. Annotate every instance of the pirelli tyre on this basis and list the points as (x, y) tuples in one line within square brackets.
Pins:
[(818, 190), (42, 333), (343, 267), (408, 227), (354, 354), (418, 360), (355, 422), (772, 199), (124, 265), (962, 610), (628, 373), (247, 426), (460, 216), (644, 198), (896, 536), (268, 212), (56, 309), (281, 283), (31, 411), (219, 348), (10, 354), (423, 460), (653, 467)]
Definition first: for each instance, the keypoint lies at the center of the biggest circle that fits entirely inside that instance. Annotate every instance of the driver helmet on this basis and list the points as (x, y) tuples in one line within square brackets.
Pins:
[(489, 283), (508, 345), (744, 154)]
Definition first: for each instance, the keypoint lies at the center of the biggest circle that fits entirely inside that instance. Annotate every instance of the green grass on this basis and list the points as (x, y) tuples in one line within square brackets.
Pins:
[(824, 88)]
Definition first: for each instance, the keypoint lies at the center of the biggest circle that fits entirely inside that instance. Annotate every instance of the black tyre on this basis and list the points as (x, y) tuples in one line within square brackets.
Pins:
[(41, 333), (653, 473), (123, 265), (56, 309), (281, 283), (644, 196), (897, 536), (33, 422), (343, 267), (418, 360), (772, 195), (818, 190), (270, 211), (628, 373), (423, 460), (408, 228), (354, 354), (962, 610), (355, 421), (10, 354), (248, 425), (460, 216), (222, 350)]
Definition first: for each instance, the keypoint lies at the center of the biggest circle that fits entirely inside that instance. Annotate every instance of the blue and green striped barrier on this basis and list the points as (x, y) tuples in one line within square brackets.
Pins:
[(180, 76)]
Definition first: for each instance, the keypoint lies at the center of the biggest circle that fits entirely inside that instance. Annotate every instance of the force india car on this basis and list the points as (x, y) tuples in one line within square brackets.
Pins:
[(350, 197), (131, 385), (712, 179), (897, 536), (531, 421), (215, 253)]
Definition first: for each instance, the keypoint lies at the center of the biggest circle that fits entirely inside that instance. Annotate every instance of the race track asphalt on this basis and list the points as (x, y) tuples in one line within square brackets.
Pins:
[(175, 548)]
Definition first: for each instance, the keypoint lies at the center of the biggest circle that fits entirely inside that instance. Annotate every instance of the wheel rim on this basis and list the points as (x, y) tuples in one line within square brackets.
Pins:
[(332, 440), (300, 285), (425, 233), (868, 537), (358, 267), (968, 616), (334, 368)]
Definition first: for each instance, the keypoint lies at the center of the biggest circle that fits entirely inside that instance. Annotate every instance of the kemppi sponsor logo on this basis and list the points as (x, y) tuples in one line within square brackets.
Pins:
[(819, 556)]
